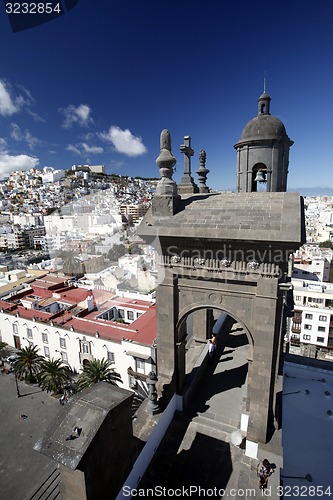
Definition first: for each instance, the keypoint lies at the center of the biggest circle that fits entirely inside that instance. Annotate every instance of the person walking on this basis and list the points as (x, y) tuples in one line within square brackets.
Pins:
[(211, 350), (266, 470)]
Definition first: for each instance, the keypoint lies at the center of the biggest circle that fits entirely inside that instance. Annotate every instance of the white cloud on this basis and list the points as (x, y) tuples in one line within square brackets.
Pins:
[(26, 136), (82, 149), (92, 149), (73, 149), (16, 133), (124, 142), (3, 144), (79, 115), (7, 105), (36, 116), (9, 163), (10, 103)]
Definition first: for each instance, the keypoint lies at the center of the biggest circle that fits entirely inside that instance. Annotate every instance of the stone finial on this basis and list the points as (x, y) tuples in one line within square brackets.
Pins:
[(202, 173), (152, 405), (165, 160), (166, 198), (165, 140)]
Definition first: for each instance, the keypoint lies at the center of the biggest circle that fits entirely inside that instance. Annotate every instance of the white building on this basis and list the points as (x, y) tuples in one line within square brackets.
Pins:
[(317, 268), (78, 325), (51, 175), (311, 327)]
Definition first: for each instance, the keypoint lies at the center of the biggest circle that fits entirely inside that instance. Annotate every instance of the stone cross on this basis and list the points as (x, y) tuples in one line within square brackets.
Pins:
[(187, 184), (188, 152)]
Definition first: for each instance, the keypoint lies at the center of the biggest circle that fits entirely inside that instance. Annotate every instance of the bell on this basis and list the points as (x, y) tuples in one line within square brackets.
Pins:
[(260, 177)]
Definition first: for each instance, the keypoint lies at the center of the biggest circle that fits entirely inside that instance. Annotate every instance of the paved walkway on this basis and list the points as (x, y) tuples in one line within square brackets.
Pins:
[(197, 452), (21, 467)]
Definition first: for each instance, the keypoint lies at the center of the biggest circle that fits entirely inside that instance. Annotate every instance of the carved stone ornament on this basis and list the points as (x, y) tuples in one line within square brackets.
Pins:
[(253, 265), (200, 262), (225, 263), (175, 259)]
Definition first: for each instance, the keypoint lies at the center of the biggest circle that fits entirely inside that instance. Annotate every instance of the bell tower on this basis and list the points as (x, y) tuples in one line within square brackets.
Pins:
[(263, 152)]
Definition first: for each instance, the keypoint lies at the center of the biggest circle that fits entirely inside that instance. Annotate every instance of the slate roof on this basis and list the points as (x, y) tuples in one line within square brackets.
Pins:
[(86, 410), (265, 217)]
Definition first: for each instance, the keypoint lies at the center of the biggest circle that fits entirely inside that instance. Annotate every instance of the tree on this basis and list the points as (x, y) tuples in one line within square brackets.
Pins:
[(116, 251), (135, 248), (326, 244), (28, 363), (97, 371), (53, 375), (5, 351), (71, 262)]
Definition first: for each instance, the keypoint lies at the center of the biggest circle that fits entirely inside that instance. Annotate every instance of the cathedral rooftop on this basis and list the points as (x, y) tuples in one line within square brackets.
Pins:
[(257, 217)]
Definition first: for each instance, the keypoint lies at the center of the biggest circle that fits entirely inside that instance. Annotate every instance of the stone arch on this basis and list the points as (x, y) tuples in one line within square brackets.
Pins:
[(255, 169), (185, 313)]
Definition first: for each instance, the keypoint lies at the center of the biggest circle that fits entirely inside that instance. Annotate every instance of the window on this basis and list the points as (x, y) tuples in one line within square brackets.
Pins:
[(298, 297), (321, 328), (320, 339), (29, 333), (322, 318), (121, 313), (111, 356), (15, 328), (85, 348), (307, 327), (139, 365), (306, 337), (130, 315), (308, 316), (315, 301), (62, 343), (64, 357), (45, 338), (46, 352), (138, 315)]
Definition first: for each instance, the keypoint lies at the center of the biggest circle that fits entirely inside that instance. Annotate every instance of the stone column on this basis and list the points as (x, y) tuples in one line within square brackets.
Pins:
[(166, 321), (202, 324), (264, 366)]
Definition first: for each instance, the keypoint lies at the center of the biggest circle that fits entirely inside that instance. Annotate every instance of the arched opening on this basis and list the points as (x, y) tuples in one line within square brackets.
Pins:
[(223, 377), (85, 362), (256, 185)]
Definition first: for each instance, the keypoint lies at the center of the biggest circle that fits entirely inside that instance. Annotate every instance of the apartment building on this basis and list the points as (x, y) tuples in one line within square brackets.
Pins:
[(78, 325), (311, 327)]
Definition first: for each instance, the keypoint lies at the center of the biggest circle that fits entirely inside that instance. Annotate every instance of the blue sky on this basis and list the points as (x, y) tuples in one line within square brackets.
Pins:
[(98, 84)]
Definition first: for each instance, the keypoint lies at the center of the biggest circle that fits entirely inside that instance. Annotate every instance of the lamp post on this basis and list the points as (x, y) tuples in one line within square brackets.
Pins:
[(17, 387)]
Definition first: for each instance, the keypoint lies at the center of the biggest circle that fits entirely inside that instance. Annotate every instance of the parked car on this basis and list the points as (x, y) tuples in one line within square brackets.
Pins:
[(11, 359)]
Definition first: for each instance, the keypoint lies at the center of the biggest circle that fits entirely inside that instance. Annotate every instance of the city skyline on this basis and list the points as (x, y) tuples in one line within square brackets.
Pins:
[(98, 85)]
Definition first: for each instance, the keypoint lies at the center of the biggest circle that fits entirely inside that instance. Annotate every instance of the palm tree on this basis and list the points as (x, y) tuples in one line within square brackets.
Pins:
[(53, 375), (97, 371), (28, 363), (71, 262)]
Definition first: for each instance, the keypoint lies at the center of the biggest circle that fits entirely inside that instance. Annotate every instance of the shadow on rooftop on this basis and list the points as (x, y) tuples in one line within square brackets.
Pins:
[(206, 463)]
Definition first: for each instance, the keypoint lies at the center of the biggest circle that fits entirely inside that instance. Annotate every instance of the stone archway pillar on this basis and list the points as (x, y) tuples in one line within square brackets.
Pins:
[(168, 343), (203, 321), (264, 367)]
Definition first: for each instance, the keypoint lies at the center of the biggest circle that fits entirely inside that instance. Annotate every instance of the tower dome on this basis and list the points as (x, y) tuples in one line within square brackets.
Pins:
[(263, 147)]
